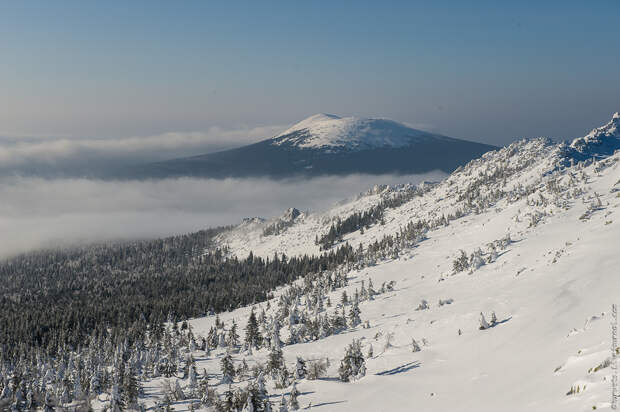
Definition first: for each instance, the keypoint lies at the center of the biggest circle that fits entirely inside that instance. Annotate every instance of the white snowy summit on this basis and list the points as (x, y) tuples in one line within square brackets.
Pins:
[(326, 144), (328, 131), (601, 141)]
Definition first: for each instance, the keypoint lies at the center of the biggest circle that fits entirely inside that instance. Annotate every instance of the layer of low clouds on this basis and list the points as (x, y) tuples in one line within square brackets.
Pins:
[(38, 213), (54, 156)]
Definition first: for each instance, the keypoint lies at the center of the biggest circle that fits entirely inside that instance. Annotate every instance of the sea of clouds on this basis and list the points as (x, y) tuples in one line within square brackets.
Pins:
[(48, 198)]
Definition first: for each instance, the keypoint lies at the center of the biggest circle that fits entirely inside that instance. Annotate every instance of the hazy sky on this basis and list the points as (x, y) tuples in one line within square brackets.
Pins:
[(488, 71)]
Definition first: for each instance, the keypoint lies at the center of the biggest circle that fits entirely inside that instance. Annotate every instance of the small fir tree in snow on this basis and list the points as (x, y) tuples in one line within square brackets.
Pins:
[(423, 305), (363, 292), (300, 369), (389, 337), (293, 402), (371, 290), (203, 389), (178, 392), (252, 333), (483, 322), (30, 403), (116, 402), (354, 315), (260, 386), (353, 365), (48, 402), (283, 404), (461, 263), (131, 388), (249, 404), (276, 361), (414, 346), (193, 381), (233, 336), (228, 369)]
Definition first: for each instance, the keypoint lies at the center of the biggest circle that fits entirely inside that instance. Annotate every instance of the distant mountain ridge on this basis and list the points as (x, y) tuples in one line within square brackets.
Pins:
[(326, 144)]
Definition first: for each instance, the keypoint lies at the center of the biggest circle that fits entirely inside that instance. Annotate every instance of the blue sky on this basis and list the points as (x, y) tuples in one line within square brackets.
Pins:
[(487, 71)]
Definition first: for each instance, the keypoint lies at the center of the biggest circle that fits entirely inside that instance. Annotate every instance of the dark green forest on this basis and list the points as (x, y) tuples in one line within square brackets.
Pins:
[(54, 298)]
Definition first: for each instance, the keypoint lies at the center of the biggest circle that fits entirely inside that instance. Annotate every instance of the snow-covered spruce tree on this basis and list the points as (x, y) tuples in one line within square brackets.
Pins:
[(354, 315), (116, 401), (371, 290), (30, 401), (275, 363), (131, 388), (414, 346), (389, 337), (252, 333), (283, 404), (423, 305), (275, 334), (212, 338), (339, 321), (293, 401), (255, 397), (249, 404), (260, 386), (353, 365), (179, 395), (233, 335), (222, 340), (48, 402), (475, 260), (317, 368), (493, 319), (203, 389), (483, 322), (461, 263), (228, 369), (300, 368)]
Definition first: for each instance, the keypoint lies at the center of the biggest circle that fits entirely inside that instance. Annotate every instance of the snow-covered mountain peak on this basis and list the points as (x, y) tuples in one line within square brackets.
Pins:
[(327, 131), (309, 122), (601, 141), (610, 129), (290, 214)]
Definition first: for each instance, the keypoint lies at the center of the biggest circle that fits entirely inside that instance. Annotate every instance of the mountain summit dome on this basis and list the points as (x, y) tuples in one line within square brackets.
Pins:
[(331, 132), (326, 144)]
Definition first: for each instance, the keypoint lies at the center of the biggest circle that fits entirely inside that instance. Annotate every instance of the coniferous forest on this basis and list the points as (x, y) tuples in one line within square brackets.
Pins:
[(56, 298)]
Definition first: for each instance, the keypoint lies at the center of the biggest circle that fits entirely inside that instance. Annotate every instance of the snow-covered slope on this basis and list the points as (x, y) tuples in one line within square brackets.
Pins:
[(524, 232), (330, 132)]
